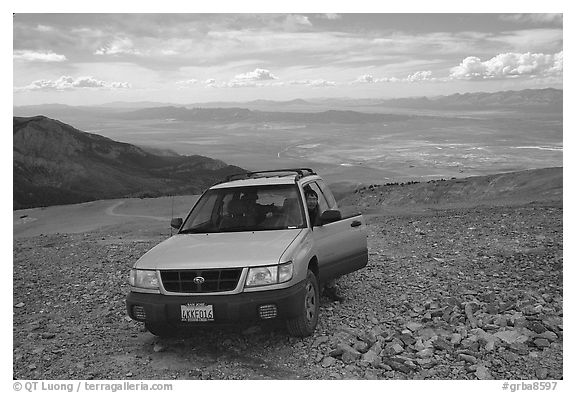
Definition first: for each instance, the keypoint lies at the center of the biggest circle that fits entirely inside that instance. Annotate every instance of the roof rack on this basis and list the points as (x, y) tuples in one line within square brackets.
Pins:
[(300, 173)]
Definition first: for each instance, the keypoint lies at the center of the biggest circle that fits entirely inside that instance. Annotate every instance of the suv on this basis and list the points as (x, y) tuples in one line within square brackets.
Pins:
[(248, 251)]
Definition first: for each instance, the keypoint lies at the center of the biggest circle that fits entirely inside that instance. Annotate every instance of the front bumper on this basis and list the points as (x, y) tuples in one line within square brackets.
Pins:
[(228, 309)]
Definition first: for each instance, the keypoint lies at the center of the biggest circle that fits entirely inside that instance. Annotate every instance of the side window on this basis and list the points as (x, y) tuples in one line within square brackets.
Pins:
[(328, 195), (322, 204)]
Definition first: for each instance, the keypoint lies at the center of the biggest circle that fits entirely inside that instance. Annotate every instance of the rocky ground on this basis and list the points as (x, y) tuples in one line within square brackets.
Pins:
[(465, 293)]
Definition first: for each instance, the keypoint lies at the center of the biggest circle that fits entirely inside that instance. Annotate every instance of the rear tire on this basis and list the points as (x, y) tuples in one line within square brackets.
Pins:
[(305, 324)]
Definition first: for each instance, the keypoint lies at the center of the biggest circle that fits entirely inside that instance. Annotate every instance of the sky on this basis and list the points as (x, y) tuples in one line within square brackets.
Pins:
[(89, 59)]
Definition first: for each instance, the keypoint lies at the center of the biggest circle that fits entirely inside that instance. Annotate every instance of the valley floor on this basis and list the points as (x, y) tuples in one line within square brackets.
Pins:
[(470, 293)]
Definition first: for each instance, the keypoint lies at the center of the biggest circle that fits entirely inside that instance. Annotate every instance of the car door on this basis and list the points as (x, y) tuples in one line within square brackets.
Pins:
[(341, 246)]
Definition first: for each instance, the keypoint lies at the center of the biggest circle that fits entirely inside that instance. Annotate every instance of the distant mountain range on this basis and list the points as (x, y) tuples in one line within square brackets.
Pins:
[(344, 111), (54, 164), (548, 100), (544, 99)]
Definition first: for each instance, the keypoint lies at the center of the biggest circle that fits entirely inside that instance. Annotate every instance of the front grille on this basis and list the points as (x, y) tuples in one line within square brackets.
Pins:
[(215, 280)]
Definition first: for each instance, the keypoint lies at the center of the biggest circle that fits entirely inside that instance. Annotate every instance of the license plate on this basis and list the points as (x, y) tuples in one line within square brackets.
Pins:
[(196, 312)]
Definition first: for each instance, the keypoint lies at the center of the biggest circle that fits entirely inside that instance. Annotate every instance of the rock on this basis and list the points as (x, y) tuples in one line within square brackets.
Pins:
[(19, 305), (48, 335), (407, 339), (370, 375), (468, 310), (520, 322), (541, 373), (519, 348), (483, 373), (442, 344), (541, 343), (492, 308), (349, 354), (370, 358), (536, 327), (328, 361), (427, 333), (425, 353), (553, 323), (369, 338), (320, 340), (159, 347), (548, 335), (488, 297), (501, 320), (414, 326), (455, 339), (467, 358), (508, 336), (361, 346), (397, 366), (426, 363), (419, 345), (396, 348), (486, 339)]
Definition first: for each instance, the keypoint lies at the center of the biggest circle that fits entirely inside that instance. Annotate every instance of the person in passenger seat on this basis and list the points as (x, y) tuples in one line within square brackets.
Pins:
[(330, 290)]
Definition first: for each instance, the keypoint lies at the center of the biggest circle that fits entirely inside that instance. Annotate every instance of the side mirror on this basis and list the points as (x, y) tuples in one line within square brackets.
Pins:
[(176, 223), (330, 216)]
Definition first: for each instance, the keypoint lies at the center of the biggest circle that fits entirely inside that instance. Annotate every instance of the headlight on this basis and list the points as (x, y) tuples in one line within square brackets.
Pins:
[(144, 279), (267, 275)]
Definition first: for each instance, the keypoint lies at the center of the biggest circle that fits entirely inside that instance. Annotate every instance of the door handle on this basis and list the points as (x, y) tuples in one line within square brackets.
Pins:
[(355, 223)]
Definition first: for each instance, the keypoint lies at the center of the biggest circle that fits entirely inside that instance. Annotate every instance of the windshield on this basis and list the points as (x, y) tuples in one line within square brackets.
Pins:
[(255, 208)]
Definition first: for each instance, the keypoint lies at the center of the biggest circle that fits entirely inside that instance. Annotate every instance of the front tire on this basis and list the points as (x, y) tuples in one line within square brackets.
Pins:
[(305, 324)]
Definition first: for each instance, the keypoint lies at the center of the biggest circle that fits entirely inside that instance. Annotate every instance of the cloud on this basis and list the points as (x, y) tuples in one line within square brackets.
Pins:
[(258, 74), (45, 29), (70, 83), (556, 19), (366, 78), (313, 83), (248, 79), (119, 46), (509, 65), (297, 20), (419, 76), (41, 56), (187, 83), (330, 16)]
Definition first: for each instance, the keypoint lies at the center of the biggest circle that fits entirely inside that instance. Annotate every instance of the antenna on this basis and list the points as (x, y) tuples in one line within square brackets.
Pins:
[(171, 214)]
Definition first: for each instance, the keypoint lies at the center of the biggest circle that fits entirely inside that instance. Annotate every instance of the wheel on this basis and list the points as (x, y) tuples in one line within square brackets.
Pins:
[(161, 330), (305, 324)]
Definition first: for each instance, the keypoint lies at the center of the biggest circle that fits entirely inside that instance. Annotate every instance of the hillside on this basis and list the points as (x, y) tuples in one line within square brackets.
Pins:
[(54, 164), (511, 188)]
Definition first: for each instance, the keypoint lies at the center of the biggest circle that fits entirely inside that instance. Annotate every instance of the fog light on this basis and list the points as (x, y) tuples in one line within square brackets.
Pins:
[(268, 311), (139, 313)]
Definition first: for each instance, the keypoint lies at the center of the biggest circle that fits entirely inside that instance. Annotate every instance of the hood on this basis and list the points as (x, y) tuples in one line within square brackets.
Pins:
[(218, 250)]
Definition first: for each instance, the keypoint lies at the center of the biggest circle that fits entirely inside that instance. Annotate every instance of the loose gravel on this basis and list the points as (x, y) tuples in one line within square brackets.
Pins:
[(465, 293)]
